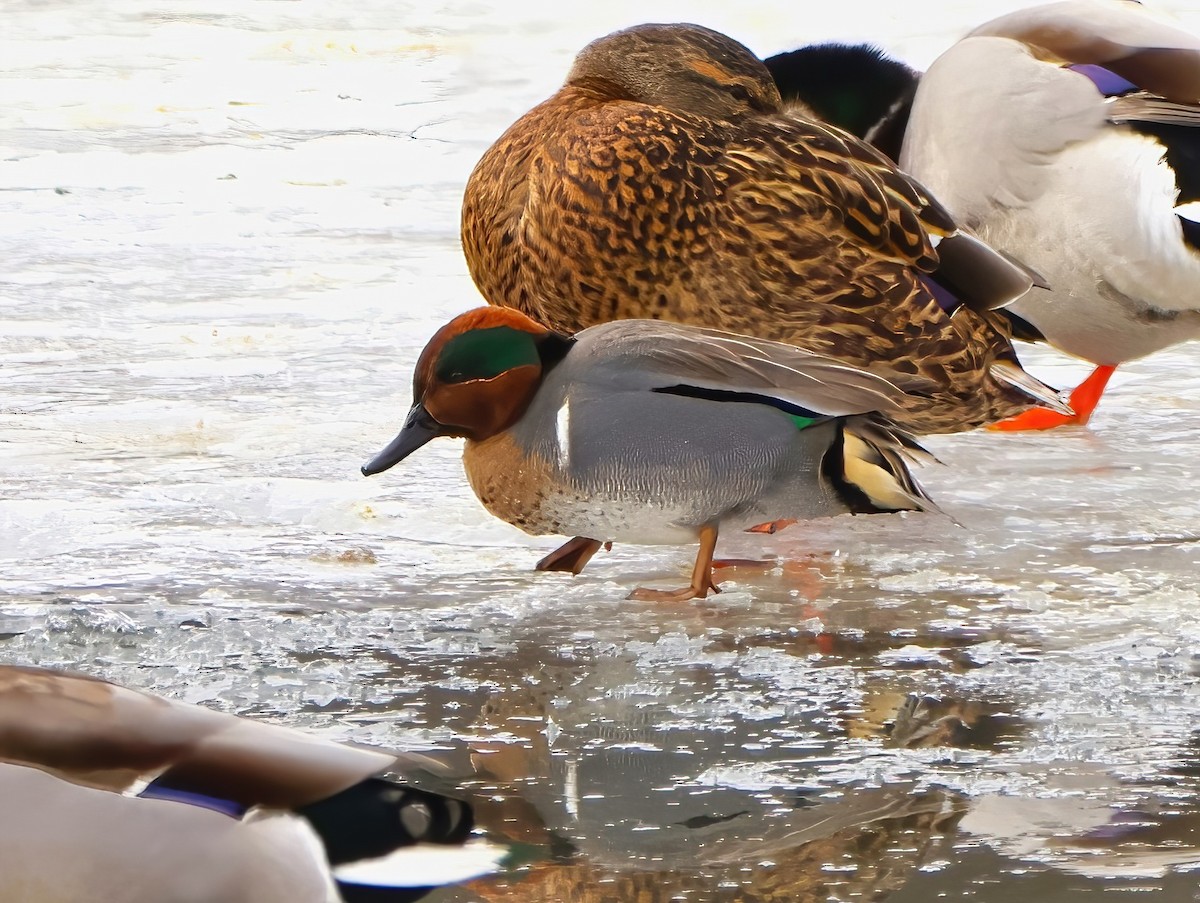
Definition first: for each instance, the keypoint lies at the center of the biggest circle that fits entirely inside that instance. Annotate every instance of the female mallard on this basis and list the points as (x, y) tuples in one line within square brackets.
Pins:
[(665, 181), (111, 794), (648, 432), (1066, 134)]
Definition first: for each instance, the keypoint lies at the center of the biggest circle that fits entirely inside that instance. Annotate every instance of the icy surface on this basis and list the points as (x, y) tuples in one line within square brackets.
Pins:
[(229, 227)]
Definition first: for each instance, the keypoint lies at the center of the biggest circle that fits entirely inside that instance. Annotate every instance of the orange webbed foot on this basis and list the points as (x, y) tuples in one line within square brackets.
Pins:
[(645, 594), (702, 579), (573, 555), (1083, 401), (1087, 394)]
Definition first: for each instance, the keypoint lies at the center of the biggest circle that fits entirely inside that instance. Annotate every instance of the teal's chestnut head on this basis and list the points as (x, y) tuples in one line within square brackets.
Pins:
[(475, 379)]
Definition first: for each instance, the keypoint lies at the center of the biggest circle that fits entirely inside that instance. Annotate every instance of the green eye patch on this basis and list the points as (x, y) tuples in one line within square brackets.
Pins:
[(485, 353)]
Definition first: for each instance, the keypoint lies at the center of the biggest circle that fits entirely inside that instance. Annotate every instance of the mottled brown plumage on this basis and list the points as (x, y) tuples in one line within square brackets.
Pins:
[(665, 181)]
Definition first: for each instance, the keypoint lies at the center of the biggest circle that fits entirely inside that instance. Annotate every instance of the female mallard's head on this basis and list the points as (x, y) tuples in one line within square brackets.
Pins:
[(683, 68), (474, 379)]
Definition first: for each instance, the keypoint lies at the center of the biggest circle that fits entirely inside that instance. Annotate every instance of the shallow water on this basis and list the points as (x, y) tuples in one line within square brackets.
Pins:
[(229, 228)]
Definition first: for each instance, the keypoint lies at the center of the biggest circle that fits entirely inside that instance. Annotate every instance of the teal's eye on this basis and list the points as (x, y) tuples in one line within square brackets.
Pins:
[(485, 353)]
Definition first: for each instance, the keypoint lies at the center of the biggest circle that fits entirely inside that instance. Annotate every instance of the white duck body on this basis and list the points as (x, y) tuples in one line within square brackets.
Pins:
[(1035, 158)]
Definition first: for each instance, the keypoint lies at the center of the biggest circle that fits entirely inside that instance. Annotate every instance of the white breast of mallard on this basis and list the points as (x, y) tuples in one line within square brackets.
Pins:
[(1123, 282), (652, 469)]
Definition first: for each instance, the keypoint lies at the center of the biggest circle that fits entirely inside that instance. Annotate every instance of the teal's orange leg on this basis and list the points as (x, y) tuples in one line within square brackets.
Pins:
[(1083, 402), (702, 575)]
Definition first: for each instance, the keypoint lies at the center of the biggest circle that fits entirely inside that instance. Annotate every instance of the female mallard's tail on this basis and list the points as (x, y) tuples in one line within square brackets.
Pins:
[(868, 464)]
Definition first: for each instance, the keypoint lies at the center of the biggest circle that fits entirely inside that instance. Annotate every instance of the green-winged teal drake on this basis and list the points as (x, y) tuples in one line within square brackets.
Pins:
[(648, 432)]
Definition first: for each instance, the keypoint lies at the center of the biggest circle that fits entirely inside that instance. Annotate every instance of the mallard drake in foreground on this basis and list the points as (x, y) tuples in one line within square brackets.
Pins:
[(112, 794), (654, 433), (665, 181), (1066, 135)]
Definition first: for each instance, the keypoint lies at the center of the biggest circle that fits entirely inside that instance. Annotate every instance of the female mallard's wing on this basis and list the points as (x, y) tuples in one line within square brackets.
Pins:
[(834, 178), (795, 165)]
